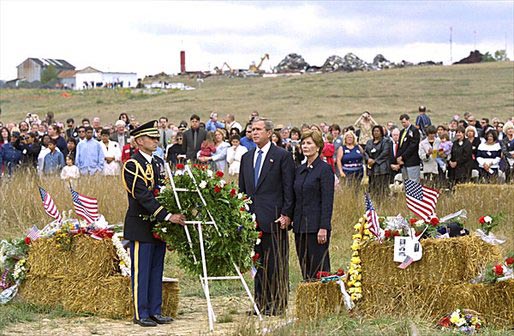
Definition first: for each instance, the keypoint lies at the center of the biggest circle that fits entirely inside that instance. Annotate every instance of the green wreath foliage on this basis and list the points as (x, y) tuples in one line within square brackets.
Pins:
[(236, 235)]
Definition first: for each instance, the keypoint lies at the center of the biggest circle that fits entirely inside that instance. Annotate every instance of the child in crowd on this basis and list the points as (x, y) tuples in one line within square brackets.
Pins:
[(54, 160), (445, 148), (208, 147), (234, 154), (70, 171), (328, 151)]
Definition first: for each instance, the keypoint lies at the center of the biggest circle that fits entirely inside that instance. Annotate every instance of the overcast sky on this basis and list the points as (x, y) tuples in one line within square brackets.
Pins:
[(146, 36)]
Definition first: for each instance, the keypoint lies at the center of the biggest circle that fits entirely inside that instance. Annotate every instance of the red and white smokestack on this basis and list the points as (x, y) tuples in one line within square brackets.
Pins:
[(182, 62)]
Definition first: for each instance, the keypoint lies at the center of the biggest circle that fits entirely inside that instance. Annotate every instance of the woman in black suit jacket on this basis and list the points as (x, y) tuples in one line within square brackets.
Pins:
[(461, 159), (314, 199)]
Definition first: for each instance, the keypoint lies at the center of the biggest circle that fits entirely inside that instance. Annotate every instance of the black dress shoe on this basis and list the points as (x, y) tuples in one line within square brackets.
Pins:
[(162, 319), (146, 322)]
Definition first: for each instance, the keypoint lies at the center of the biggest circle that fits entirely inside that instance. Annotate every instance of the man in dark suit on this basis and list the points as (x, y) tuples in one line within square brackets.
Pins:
[(266, 175), (165, 133), (407, 156), (141, 176), (193, 138)]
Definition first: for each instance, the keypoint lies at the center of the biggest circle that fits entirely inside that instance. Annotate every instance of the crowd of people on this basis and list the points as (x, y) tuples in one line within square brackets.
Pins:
[(462, 150)]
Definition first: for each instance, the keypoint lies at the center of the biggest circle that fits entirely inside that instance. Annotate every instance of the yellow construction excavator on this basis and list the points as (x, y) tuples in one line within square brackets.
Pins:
[(257, 68), (223, 69)]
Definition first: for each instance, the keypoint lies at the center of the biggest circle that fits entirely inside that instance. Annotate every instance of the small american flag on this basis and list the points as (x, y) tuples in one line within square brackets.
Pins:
[(86, 207), (49, 205), (372, 216), (421, 200), (33, 233), (408, 260)]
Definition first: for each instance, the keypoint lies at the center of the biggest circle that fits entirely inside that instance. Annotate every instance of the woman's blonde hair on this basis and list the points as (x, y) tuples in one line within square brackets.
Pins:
[(352, 135), (316, 136), (471, 128), (507, 126)]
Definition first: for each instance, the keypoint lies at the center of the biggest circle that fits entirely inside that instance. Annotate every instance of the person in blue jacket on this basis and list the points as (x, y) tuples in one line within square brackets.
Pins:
[(11, 155), (314, 199)]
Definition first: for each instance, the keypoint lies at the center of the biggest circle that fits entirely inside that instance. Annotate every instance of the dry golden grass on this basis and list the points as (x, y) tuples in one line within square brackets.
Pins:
[(22, 207), (483, 89)]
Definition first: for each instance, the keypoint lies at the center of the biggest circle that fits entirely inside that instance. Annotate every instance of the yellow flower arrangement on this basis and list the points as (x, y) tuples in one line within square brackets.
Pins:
[(354, 283)]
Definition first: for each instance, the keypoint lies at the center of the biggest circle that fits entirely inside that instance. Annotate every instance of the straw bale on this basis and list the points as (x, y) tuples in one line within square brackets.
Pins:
[(445, 261), (88, 258), (316, 299), (42, 290), (84, 279), (494, 302), (108, 297)]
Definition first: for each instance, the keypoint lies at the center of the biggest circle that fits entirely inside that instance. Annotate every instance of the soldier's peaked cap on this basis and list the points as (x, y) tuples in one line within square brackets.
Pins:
[(149, 129)]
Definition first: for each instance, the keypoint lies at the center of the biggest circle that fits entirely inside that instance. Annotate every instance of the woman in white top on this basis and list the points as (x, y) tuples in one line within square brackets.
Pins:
[(234, 154), (428, 150), (112, 154)]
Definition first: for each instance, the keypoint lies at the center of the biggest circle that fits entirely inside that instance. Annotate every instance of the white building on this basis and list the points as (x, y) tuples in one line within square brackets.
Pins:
[(90, 78)]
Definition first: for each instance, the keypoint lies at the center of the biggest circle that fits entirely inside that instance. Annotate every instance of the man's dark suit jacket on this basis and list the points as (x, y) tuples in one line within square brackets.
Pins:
[(314, 197), (114, 137), (409, 148), (274, 193), (188, 143), (141, 198)]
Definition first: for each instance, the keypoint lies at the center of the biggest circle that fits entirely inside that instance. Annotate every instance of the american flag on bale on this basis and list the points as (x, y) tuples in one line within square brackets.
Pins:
[(85, 207), (372, 216), (33, 233), (421, 200), (49, 205)]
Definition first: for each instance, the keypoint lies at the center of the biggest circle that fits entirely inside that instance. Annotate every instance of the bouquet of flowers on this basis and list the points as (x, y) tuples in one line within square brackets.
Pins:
[(500, 271), (488, 222), (466, 321), (235, 234), (13, 254)]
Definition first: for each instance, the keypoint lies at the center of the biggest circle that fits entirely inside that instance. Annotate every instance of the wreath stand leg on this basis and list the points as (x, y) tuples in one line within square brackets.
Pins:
[(205, 283)]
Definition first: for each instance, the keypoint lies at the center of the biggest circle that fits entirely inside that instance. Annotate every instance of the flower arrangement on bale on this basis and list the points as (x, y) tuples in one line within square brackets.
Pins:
[(236, 235), (13, 255), (488, 222), (500, 271), (466, 321), (354, 276)]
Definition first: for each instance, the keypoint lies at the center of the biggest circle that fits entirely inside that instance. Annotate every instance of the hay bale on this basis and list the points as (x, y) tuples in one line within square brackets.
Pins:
[(42, 290), (495, 302), (88, 258), (85, 279), (107, 297), (316, 299), (445, 261)]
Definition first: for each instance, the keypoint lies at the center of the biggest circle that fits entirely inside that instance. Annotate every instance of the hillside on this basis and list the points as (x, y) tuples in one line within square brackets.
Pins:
[(482, 89)]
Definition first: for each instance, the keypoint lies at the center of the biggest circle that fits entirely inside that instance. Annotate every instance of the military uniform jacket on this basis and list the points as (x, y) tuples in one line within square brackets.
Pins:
[(141, 180)]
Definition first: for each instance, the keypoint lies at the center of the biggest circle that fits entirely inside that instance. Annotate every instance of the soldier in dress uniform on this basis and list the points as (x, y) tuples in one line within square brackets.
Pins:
[(141, 176)]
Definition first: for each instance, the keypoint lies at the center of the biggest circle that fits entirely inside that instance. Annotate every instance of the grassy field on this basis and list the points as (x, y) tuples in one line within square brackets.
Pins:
[(485, 90)]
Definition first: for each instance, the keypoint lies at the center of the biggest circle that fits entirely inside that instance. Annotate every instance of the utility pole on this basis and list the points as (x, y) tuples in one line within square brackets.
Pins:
[(451, 45), (474, 40)]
